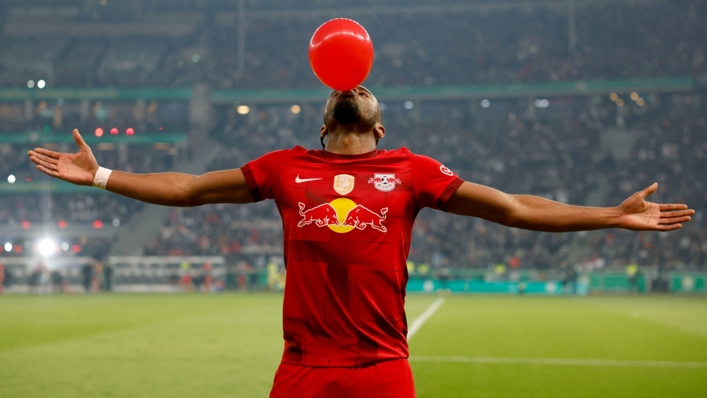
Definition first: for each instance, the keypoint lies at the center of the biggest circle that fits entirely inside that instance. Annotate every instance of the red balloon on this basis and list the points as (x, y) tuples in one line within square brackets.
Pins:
[(341, 54)]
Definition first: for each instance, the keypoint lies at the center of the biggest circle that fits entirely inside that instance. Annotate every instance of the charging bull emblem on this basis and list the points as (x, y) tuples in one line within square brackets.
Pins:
[(342, 215), (321, 215), (360, 217)]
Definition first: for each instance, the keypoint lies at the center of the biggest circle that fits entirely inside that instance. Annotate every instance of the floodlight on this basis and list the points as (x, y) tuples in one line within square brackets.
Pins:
[(46, 247)]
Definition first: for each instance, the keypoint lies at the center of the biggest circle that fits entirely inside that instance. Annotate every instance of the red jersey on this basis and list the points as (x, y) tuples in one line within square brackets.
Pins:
[(347, 223)]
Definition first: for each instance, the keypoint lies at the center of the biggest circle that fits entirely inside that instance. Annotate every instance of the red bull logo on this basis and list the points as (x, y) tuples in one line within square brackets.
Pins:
[(360, 217), (342, 215), (321, 215)]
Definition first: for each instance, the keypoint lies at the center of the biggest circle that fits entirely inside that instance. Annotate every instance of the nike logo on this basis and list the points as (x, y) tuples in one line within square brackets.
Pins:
[(301, 180)]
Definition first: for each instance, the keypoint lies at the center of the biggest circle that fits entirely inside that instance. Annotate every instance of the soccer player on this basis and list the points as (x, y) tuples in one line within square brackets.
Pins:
[(347, 213)]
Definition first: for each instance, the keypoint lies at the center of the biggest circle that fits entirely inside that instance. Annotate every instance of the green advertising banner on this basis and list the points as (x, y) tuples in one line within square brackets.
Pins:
[(54, 186), (95, 94), (512, 90), (480, 286), (688, 282)]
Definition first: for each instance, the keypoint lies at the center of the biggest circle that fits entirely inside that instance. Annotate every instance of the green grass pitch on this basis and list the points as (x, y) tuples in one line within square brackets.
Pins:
[(474, 346)]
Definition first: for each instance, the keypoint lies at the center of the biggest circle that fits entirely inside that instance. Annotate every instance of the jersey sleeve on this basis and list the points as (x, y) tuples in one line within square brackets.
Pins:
[(262, 174), (433, 182)]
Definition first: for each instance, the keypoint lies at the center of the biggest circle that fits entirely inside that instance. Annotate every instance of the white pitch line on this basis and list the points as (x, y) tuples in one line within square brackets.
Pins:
[(563, 362), (417, 323)]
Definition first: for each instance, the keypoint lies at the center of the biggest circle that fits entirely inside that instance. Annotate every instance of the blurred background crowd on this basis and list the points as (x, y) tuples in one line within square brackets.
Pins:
[(431, 46), (594, 149)]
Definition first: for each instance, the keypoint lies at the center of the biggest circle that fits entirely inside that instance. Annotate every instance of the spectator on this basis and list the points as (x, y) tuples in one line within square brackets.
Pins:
[(87, 276)]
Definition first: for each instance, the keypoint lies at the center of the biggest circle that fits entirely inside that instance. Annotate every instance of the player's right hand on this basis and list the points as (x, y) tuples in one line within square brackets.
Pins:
[(78, 168)]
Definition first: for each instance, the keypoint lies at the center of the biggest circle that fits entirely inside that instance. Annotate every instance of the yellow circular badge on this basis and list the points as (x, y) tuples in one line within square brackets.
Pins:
[(342, 206)]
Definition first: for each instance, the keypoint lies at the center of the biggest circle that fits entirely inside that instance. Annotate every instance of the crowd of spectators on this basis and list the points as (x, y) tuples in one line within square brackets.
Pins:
[(131, 158), (60, 116), (499, 45), (63, 208), (24, 205), (557, 156), (222, 229), (671, 149), (558, 152)]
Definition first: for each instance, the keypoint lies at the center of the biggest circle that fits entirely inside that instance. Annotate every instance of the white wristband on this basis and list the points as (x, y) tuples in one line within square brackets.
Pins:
[(100, 180)]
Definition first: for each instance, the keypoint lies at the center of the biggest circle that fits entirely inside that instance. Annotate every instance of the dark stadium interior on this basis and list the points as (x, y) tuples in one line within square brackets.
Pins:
[(593, 148)]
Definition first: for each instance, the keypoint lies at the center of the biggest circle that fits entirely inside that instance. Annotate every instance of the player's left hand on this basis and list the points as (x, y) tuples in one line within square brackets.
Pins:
[(639, 215)]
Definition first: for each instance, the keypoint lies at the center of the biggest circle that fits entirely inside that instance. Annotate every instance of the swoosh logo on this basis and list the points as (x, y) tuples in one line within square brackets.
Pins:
[(301, 180)]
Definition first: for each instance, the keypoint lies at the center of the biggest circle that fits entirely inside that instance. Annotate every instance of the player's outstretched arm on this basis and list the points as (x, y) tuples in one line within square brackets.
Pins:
[(539, 214), (169, 189)]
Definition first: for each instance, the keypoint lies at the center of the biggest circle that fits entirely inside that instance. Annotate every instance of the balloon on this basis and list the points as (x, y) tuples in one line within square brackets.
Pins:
[(341, 54)]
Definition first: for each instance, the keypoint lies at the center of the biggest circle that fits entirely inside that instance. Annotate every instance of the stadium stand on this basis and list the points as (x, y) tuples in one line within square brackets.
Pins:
[(78, 65), (23, 59), (560, 158), (534, 45), (131, 62), (581, 148)]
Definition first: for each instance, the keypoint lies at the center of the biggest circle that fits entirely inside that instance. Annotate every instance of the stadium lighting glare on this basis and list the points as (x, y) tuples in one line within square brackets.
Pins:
[(99, 132), (485, 103), (116, 222), (46, 247), (637, 99), (542, 103), (41, 84), (11, 179), (243, 109), (195, 58), (30, 84), (8, 247), (408, 105), (295, 109), (65, 246)]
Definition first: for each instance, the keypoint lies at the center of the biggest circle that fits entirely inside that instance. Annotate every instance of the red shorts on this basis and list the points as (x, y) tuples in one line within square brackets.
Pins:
[(388, 379)]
